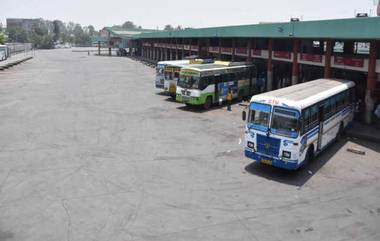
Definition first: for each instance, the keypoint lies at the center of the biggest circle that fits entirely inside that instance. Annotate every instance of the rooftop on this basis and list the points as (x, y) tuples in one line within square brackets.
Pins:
[(350, 28)]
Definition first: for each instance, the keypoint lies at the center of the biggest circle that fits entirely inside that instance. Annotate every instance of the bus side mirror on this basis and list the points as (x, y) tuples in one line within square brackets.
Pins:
[(244, 115)]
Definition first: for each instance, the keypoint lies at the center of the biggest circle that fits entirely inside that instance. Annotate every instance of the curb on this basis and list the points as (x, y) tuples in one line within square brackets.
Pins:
[(11, 64)]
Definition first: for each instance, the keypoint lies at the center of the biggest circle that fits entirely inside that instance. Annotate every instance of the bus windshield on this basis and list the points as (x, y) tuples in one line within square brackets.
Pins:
[(259, 116), (285, 122), (188, 82)]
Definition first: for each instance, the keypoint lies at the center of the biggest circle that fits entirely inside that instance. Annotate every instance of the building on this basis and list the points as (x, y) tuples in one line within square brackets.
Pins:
[(117, 37), (285, 53), (25, 23)]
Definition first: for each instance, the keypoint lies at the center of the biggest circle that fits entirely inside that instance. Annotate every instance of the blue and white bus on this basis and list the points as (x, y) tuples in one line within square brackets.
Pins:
[(287, 128), (160, 71)]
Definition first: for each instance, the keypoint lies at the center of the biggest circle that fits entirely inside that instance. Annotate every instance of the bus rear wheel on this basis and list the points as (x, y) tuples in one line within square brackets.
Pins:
[(208, 103)]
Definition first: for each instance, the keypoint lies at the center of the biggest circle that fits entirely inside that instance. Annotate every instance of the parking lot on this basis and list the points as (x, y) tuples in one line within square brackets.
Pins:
[(90, 150)]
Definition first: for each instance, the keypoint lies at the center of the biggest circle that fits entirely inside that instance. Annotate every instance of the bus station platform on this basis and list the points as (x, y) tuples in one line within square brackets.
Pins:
[(14, 60), (364, 132)]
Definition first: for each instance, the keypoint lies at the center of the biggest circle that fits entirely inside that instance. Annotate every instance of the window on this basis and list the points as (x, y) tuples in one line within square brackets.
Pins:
[(285, 122), (259, 116), (327, 109), (310, 118)]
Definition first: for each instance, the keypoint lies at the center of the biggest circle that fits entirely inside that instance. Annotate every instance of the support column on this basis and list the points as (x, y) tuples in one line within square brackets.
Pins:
[(295, 67), (183, 49), (176, 49), (220, 49), (208, 48), (199, 48), (371, 81), (249, 47), (270, 66), (233, 49), (328, 54)]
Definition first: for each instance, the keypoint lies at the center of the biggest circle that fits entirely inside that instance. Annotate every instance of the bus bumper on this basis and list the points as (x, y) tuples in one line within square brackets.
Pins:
[(159, 85), (189, 100), (288, 165)]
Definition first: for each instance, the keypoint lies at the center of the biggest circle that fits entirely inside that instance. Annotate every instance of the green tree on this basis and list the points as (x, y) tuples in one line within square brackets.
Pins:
[(168, 27), (58, 29), (91, 30), (129, 25), (2, 38)]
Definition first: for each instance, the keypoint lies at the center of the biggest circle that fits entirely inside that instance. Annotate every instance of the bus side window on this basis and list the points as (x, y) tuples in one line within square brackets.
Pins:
[(306, 120), (313, 116), (327, 109)]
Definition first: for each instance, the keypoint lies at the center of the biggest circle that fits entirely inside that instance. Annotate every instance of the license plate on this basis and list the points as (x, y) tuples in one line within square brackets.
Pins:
[(185, 98), (266, 162)]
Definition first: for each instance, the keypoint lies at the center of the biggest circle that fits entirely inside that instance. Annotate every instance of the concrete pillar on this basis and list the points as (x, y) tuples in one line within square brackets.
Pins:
[(200, 54), (328, 54), (295, 67), (220, 49), (233, 49), (371, 81), (183, 49), (249, 47), (270, 66), (208, 47)]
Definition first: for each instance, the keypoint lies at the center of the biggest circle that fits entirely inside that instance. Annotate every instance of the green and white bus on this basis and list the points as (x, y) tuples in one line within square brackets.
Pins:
[(205, 84), (172, 71)]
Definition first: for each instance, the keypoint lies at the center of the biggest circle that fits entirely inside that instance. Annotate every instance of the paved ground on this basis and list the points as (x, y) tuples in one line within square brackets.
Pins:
[(90, 151)]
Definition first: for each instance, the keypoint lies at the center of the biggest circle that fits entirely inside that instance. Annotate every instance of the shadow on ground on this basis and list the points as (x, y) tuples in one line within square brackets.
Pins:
[(200, 109), (6, 236), (300, 176)]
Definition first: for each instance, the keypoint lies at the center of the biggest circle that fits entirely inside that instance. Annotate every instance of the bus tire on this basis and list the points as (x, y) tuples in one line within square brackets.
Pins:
[(340, 134), (208, 103), (309, 155), (240, 96)]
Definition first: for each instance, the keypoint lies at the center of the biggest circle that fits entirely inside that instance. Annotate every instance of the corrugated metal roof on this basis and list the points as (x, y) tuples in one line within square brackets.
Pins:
[(351, 28)]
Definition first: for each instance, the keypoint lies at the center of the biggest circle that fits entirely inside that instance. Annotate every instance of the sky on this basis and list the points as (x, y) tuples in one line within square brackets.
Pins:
[(192, 13)]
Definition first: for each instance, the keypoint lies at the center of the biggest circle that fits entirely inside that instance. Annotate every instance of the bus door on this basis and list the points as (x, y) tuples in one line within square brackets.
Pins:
[(217, 79), (321, 118)]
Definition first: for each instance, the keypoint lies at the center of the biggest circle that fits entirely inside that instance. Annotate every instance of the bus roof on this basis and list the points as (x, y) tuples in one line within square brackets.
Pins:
[(179, 62), (214, 66), (306, 94)]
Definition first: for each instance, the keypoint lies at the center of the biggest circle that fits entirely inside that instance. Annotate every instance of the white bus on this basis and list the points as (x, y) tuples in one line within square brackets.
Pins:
[(287, 128), (160, 77), (205, 84), (172, 71)]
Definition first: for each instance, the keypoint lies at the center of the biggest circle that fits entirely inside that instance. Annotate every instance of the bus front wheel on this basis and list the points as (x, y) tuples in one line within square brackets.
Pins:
[(208, 103), (309, 155)]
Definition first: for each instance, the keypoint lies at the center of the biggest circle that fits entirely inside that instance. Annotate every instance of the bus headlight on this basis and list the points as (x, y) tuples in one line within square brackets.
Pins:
[(286, 154), (251, 145)]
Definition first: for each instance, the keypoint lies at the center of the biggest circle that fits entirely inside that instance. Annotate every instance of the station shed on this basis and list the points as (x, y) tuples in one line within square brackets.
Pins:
[(285, 53)]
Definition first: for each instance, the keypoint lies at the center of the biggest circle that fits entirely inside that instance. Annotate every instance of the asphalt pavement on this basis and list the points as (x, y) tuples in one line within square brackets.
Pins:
[(90, 150)]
